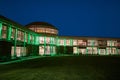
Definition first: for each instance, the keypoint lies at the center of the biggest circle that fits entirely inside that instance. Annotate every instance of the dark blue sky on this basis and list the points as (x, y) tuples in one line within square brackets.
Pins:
[(99, 18)]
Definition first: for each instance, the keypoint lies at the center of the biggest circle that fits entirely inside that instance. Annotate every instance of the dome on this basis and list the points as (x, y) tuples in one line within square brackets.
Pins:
[(42, 27)]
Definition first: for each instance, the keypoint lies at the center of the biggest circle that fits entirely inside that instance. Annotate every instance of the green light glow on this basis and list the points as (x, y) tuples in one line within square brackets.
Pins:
[(28, 38), (44, 45), (0, 30), (64, 46), (9, 32), (15, 42)]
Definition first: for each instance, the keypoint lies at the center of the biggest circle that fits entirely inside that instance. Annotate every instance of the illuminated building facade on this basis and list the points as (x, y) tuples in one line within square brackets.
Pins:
[(41, 38)]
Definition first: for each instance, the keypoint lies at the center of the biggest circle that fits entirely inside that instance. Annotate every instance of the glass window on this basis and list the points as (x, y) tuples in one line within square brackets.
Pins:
[(4, 31), (81, 42), (41, 50), (102, 51), (102, 43), (13, 33), (118, 43), (18, 35), (41, 40), (95, 43), (74, 42), (82, 51), (61, 42), (109, 50), (75, 50), (95, 50), (108, 43), (22, 36), (47, 40), (89, 50), (90, 43), (67, 42), (114, 43)]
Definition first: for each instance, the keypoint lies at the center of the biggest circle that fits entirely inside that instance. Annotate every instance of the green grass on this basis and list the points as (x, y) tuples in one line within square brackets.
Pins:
[(63, 68)]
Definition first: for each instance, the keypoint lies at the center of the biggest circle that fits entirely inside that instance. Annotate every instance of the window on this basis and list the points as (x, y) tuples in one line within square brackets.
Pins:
[(74, 42), (13, 33), (41, 50), (95, 50), (18, 35), (22, 36), (102, 51), (53, 40), (61, 42), (4, 31), (47, 40), (114, 43), (67, 42), (81, 42), (89, 50), (102, 43), (75, 50), (118, 43), (41, 40), (108, 43), (89, 43), (95, 43), (82, 51)]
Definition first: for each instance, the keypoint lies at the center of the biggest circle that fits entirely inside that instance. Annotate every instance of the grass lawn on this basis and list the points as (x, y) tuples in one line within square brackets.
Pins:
[(63, 68)]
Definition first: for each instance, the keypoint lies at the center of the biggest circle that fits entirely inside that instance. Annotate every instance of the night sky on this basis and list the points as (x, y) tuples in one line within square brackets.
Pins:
[(94, 18)]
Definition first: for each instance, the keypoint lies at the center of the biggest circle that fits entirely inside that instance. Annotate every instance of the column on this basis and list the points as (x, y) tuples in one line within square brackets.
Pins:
[(64, 46), (15, 42), (44, 45), (0, 30), (24, 44), (9, 30)]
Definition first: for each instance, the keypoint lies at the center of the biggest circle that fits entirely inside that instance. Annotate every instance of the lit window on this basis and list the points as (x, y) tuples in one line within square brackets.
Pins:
[(13, 33), (89, 50), (67, 42), (95, 43), (81, 43), (74, 42), (47, 40), (95, 51), (89, 43), (108, 43), (18, 35), (41, 40), (102, 51), (61, 42), (4, 31)]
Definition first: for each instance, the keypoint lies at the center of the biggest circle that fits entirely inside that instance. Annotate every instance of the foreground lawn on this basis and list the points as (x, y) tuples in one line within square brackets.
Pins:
[(64, 68)]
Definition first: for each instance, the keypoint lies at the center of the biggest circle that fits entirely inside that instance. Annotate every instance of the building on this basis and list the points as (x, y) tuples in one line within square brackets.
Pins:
[(41, 38)]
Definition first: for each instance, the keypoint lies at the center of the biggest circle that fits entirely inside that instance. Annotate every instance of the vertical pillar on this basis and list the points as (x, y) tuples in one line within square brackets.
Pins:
[(28, 38), (0, 30), (44, 45), (92, 46), (97, 50), (15, 42), (64, 46), (57, 44), (9, 30), (24, 44), (111, 47), (86, 47)]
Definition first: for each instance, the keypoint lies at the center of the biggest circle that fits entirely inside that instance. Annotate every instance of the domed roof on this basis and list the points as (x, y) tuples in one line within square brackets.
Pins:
[(41, 24)]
